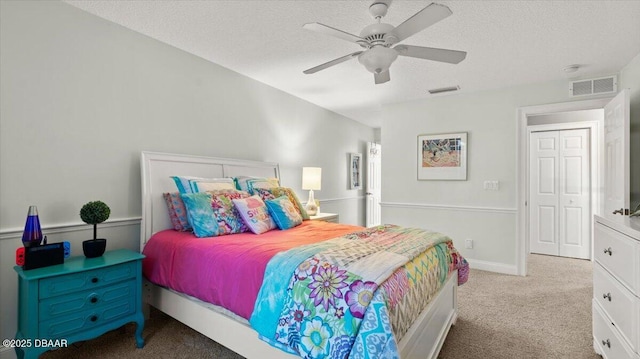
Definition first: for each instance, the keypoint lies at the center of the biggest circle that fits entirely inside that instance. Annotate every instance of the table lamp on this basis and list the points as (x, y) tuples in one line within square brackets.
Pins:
[(311, 180)]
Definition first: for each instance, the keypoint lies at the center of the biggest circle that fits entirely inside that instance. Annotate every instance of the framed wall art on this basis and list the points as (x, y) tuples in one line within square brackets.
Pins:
[(442, 156), (355, 170)]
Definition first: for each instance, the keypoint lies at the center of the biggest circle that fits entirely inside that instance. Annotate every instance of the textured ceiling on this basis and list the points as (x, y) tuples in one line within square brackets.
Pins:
[(509, 43)]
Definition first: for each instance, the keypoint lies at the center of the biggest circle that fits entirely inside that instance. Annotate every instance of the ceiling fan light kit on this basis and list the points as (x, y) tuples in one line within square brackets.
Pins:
[(378, 59), (377, 40)]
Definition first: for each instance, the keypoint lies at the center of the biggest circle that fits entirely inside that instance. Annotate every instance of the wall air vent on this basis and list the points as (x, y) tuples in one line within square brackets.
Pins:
[(601, 85), (444, 89)]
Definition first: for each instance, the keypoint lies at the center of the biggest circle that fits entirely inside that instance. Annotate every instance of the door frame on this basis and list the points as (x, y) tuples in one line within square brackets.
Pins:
[(522, 166), (595, 161)]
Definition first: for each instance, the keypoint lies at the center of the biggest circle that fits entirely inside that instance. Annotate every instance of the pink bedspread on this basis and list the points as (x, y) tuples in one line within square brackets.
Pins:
[(226, 270)]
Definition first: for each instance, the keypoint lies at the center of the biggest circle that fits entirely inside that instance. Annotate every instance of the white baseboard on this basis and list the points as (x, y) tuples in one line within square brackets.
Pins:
[(493, 266)]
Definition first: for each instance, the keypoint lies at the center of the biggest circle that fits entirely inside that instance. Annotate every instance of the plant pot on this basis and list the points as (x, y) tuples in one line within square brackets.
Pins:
[(93, 248)]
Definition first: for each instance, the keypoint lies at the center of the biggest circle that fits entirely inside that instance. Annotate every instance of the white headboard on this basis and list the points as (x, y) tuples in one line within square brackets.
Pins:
[(157, 169)]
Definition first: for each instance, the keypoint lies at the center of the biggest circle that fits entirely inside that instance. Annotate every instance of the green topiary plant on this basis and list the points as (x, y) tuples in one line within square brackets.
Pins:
[(93, 213)]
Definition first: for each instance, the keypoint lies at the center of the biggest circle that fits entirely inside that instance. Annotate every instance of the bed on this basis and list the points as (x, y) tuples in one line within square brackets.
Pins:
[(240, 325)]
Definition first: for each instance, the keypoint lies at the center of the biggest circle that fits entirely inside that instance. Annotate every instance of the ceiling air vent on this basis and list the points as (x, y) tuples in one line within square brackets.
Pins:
[(602, 85), (444, 89)]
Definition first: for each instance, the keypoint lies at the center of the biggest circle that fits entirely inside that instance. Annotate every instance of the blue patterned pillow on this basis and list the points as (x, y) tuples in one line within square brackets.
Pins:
[(242, 182), (200, 214), (283, 212), (255, 183)]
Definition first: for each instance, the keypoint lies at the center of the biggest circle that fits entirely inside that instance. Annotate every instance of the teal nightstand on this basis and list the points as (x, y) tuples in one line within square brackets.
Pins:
[(78, 300)]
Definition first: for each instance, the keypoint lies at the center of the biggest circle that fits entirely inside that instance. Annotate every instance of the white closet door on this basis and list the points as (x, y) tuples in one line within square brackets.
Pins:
[(543, 193), (560, 193), (574, 194)]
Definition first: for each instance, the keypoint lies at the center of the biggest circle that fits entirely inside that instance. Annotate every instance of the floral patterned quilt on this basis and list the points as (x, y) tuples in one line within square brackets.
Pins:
[(353, 296)]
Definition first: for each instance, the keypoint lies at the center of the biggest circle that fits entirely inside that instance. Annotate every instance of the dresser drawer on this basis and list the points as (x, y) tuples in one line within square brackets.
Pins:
[(622, 307), (86, 280), (78, 321), (619, 254), (86, 300), (606, 339)]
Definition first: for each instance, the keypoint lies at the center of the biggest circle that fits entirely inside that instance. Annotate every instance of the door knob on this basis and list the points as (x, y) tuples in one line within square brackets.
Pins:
[(618, 211)]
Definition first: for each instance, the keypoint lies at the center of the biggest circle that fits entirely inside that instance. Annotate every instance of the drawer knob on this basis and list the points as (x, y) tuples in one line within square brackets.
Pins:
[(95, 299), (606, 343), (608, 251), (94, 280), (95, 317), (607, 296)]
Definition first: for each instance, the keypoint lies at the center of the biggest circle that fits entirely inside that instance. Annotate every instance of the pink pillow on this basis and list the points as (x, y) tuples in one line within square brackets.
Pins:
[(254, 213), (177, 211)]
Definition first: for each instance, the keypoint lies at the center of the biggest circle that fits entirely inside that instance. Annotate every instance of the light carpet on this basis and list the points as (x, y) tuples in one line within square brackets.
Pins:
[(545, 315)]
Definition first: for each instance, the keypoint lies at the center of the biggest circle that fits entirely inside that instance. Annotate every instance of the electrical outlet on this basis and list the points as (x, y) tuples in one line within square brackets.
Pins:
[(468, 243)]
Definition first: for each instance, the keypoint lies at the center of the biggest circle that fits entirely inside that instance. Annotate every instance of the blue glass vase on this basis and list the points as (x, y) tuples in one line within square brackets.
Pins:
[(32, 235)]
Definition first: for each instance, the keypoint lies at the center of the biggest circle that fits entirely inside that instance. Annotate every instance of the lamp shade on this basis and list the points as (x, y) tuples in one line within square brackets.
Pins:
[(311, 178)]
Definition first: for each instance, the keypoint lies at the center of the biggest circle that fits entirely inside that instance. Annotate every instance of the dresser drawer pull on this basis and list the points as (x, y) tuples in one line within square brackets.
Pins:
[(95, 317), (606, 343), (95, 279), (608, 251), (607, 296), (95, 299)]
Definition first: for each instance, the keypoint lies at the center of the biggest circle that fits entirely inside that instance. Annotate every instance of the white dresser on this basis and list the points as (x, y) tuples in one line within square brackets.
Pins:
[(616, 287)]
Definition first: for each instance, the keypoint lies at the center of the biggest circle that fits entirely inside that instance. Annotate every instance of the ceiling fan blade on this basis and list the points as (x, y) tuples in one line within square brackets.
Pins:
[(331, 63), (328, 30), (382, 77), (420, 21), (431, 53)]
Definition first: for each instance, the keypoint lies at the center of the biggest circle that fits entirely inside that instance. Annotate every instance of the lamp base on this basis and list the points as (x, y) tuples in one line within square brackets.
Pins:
[(311, 207)]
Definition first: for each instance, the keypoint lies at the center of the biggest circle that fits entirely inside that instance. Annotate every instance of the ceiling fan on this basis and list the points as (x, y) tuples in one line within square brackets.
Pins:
[(377, 40)]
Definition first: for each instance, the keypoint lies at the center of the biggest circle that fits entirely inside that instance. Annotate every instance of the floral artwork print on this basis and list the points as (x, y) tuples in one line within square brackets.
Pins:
[(442, 152)]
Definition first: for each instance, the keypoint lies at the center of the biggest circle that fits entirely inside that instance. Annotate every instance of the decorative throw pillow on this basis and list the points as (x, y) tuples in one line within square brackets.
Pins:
[(228, 217), (177, 211), (255, 183), (211, 184), (255, 214), (275, 192), (283, 212), (186, 184), (243, 185), (201, 214)]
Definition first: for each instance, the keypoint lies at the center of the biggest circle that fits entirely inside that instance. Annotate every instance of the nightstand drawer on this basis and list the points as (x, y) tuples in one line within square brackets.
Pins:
[(86, 280), (621, 306), (76, 322), (86, 300)]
